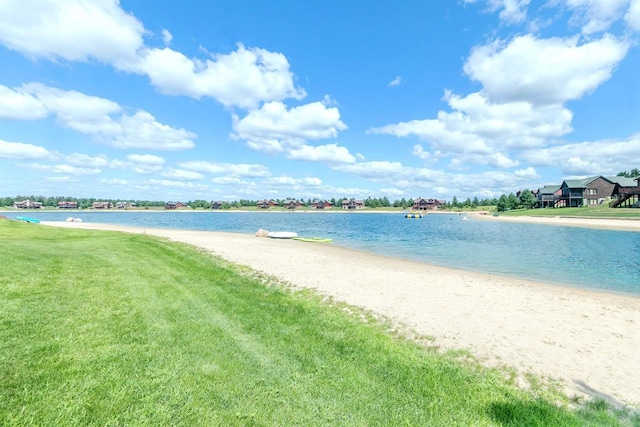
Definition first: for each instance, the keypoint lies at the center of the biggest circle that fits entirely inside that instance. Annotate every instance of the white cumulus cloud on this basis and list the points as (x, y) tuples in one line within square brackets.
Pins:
[(632, 17), (104, 119), (544, 71), (330, 153), (243, 78), (274, 128), (73, 30), (594, 16), (78, 159), (230, 169), (182, 175), (21, 151), (147, 159)]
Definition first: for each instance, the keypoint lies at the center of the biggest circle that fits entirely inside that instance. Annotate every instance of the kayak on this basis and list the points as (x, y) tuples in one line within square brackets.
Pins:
[(313, 239)]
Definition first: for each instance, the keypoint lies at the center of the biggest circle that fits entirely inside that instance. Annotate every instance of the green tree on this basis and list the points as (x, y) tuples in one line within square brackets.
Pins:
[(503, 203), (635, 172), (527, 199)]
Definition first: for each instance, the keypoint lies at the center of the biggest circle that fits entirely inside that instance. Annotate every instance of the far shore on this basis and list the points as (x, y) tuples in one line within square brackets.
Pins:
[(625, 224), (588, 341), (622, 224)]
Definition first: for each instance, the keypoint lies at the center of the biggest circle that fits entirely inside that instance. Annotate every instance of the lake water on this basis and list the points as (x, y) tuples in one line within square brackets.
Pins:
[(582, 257)]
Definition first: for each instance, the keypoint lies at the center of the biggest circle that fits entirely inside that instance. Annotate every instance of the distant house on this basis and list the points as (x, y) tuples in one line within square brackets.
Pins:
[(174, 205), (292, 204), (27, 204), (101, 205), (217, 205), (426, 204), (266, 204), (67, 205), (321, 204), (126, 205), (352, 204), (626, 192), (550, 196), (590, 191)]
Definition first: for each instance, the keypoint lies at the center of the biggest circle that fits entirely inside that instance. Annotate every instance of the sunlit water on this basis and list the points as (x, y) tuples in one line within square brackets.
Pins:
[(598, 259)]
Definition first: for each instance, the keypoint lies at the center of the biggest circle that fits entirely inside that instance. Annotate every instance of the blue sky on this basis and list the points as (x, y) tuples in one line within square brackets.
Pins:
[(229, 100)]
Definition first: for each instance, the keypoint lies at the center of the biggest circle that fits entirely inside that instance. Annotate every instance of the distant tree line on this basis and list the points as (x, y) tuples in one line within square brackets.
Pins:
[(633, 173), (83, 203), (523, 200), (468, 203)]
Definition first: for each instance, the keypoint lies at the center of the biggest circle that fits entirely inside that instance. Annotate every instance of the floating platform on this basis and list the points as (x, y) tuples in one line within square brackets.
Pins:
[(413, 215)]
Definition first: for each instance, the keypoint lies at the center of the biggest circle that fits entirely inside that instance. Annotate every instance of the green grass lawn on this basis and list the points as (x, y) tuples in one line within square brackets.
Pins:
[(105, 328), (603, 211)]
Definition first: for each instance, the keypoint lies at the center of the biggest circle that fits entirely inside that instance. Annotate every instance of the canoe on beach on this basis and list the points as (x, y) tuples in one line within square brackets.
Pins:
[(282, 234), (27, 219)]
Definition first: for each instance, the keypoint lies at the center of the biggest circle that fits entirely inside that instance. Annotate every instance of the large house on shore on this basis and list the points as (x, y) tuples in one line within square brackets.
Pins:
[(67, 205), (352, 204), (426, 204), (101, 205), (292, 204), (174, 205), (27, 204), (592, 191), (266, 204), (321, 204)]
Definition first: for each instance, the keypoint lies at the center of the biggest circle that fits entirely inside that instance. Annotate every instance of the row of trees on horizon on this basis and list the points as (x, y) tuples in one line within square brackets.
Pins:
[(370, 202)]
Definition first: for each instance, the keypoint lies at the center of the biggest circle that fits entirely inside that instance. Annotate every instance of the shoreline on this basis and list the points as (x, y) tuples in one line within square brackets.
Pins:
[(621, 224), (627, 224), (589, 340)]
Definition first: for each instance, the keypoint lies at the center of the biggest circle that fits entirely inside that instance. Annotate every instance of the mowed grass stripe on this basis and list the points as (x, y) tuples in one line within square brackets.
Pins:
[(105, 328)]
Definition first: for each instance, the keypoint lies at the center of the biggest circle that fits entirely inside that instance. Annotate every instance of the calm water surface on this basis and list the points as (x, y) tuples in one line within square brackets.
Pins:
[(598, 259)]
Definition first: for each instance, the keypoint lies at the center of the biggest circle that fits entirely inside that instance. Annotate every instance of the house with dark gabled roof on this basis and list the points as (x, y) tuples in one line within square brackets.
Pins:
[(266, 204), (217, 204), (626, 192), (174, 205), (126, 205), (550, 196), (292, 204), (27, 204), (101, 205), (352, 204), (321, 204), (67, 205), (426, 204), (590, 191)]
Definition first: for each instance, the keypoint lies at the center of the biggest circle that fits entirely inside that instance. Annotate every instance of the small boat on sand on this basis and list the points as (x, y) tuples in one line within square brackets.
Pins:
[(282, 234), (27, 219)]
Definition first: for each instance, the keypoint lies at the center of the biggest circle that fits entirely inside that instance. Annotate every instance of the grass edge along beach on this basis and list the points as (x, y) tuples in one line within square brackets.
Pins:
[(100, 327)]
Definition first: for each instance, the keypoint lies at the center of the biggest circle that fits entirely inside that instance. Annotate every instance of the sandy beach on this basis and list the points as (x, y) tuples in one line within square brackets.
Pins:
[(589, 341), (600, 223)]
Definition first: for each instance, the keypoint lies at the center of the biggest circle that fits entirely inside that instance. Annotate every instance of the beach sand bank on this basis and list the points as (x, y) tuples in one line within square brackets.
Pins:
[(590, 341), (599, 223)]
